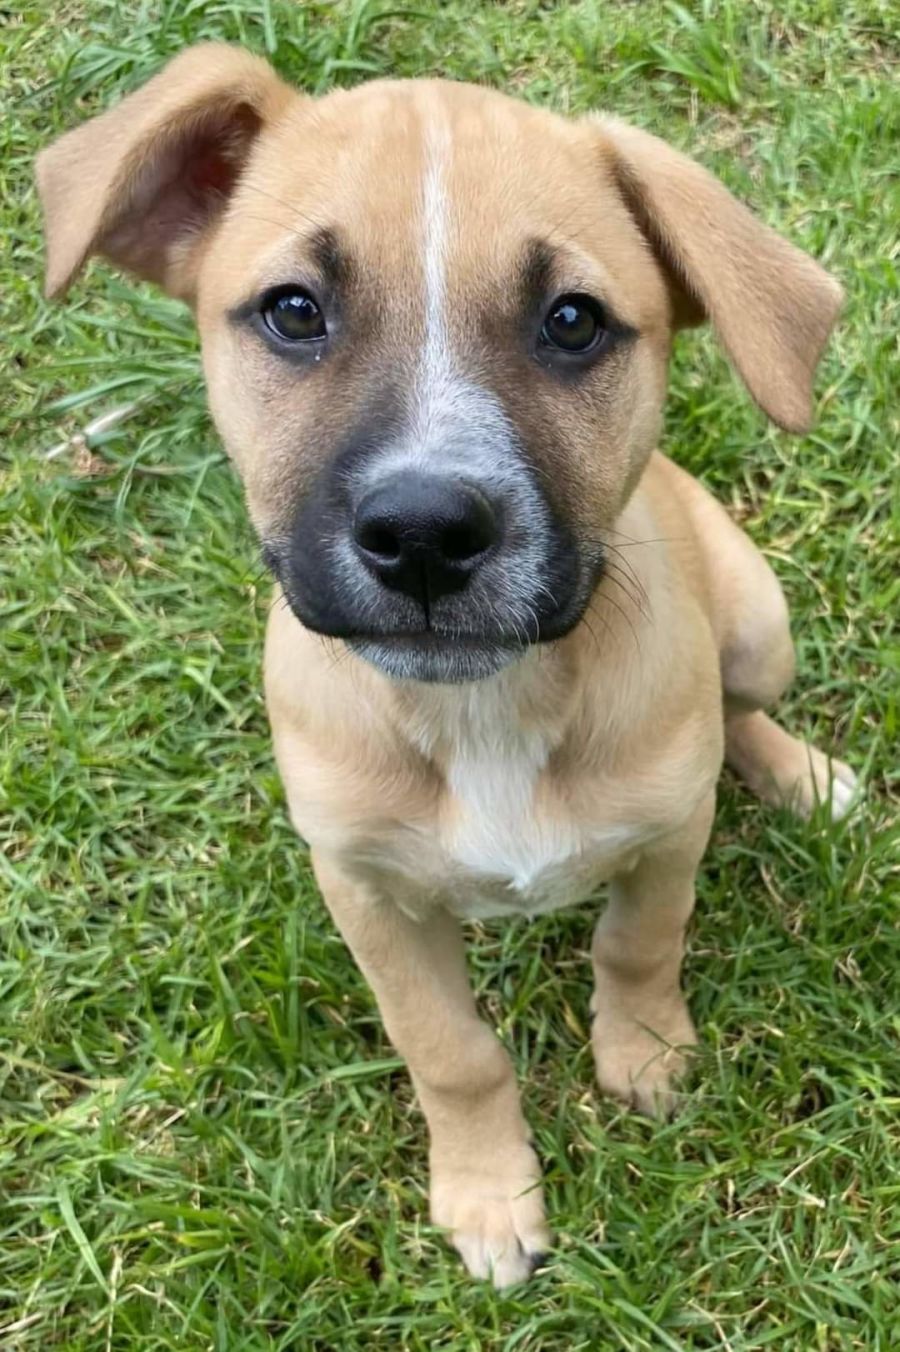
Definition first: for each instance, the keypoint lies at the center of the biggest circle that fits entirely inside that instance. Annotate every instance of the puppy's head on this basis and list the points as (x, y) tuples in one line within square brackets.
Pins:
[(435, 326)]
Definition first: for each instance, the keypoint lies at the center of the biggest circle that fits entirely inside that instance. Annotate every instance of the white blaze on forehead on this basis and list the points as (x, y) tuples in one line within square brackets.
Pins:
[(435, 223), (455, 424), (453, 417)]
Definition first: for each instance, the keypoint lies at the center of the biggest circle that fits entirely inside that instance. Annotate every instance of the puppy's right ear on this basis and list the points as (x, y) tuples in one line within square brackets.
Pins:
[(144, 183)]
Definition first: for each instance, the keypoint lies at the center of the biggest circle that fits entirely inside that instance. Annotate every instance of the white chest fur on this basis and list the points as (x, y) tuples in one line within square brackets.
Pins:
[(499, 849), (493, 827)]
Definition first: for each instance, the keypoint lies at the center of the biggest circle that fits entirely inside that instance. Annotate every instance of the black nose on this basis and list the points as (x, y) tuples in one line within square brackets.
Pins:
[(422, 534)]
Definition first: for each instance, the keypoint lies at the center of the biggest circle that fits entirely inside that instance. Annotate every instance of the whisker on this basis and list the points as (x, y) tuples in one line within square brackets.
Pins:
[(653, 540), (268, 220), (601, 596), (626, 569), (590, 628), (294, 210), (635, 592)]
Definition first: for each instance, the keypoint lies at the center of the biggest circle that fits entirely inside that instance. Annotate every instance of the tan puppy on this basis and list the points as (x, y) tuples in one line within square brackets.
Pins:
[(435, 326)]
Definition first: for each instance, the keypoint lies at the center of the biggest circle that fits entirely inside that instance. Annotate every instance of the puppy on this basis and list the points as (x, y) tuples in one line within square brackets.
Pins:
[(517, 640)]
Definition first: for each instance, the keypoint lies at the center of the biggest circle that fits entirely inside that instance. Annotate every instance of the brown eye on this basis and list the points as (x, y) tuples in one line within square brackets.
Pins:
[(574, 324), (294, 317)]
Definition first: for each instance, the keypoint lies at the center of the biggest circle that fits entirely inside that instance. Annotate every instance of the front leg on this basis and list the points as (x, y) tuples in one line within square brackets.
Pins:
[(641, 1020), (485, 1177)]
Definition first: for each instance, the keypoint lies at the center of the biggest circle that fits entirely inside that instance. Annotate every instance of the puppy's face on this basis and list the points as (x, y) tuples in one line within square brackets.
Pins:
[(435, 326), (435, 346)]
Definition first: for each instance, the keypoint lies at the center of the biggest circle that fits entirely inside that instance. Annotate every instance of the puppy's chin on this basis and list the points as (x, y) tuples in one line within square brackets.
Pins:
[(435, 660)]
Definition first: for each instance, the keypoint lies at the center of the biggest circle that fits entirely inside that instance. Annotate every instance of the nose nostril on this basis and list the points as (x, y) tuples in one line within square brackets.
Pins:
[(460, 543), (380, 540)]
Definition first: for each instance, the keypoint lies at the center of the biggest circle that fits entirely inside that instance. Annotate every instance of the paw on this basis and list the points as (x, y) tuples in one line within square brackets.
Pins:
[(495, 1216), (639, 1060), (822, 780)]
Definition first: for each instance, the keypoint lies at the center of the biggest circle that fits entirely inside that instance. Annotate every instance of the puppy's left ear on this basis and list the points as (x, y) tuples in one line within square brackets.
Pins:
[(772, 306), (144, 183)]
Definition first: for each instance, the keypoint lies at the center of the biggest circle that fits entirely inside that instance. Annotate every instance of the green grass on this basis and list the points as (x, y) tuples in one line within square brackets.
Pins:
[(205, 1140)]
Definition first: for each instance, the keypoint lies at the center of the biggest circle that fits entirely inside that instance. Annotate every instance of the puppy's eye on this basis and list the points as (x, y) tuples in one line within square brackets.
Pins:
[(294, 317), (574, 324)]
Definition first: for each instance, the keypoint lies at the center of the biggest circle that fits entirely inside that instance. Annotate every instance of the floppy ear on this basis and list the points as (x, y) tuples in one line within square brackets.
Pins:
[(772, 306), (143, 183)]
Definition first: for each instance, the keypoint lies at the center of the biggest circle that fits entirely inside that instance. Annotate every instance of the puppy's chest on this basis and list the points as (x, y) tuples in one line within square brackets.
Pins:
[(509, 849), (502, 841)]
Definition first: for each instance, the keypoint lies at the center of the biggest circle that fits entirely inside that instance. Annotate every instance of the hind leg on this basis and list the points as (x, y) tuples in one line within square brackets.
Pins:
[(785, 770), (757, 659), (750, 622)]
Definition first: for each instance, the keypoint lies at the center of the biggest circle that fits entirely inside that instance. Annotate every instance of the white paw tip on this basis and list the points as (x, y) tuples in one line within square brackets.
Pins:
[(841, 798), (503, 1264)]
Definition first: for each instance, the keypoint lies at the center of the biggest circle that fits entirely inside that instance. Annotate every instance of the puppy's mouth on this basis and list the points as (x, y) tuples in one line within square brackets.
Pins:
[(434, 658), (461, 640)]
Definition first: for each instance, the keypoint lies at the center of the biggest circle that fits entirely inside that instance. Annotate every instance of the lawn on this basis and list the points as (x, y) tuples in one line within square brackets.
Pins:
[(205, 1140)]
